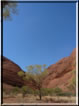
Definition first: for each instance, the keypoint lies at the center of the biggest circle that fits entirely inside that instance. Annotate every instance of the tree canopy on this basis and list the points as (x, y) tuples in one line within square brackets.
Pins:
[(36, 74), (8, 9)]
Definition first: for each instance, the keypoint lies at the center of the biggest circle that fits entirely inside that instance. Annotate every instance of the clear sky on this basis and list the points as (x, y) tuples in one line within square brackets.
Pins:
[(41, 33)]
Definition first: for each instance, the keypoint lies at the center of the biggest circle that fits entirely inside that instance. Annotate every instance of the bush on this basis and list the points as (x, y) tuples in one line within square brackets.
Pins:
[(44, 91), (24, 90), (27, 90), (30, 90), (16, 90), (48, 91), (36, 92), (57, 90), (54, 92), (65, 94)]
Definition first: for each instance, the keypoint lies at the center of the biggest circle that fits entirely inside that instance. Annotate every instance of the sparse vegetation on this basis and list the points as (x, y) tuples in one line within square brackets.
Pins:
[(35, 74), (16, 90), (72, 83), (45, 99), (26, 90)]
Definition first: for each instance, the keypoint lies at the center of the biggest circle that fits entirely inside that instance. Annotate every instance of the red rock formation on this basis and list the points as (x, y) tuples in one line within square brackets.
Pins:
[(10, 73), (61, 72)]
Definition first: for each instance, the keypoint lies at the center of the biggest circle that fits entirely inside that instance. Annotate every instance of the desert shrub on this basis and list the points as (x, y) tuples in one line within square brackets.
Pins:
[(26, 90), (30, 90), (72, 85), (36, 92), (48, 91), (72, 82), (56, 91), (16, 90), (65, 94), (53, 91), (44, 91)]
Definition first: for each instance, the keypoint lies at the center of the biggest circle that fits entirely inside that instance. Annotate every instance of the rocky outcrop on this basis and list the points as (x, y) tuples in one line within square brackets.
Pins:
[(10, 73), (61, 72)]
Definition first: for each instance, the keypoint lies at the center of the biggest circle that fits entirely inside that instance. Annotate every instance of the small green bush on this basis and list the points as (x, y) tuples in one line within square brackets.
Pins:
[(24, 90), (57, 90), (65, 94), (16, 90), (27, 90)]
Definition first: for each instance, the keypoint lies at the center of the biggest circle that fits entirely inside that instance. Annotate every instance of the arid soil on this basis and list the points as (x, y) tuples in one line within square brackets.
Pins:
[(35, 99)]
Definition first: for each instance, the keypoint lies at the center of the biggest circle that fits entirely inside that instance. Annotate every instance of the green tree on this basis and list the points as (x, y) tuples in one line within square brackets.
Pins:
[(35, 74), (8, 9)]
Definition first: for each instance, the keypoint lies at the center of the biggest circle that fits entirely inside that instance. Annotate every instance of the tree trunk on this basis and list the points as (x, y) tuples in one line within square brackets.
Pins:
[(40, 95), (23, 95)]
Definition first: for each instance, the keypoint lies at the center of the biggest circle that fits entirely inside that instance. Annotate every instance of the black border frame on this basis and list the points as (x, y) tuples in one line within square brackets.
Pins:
[(2, 36)]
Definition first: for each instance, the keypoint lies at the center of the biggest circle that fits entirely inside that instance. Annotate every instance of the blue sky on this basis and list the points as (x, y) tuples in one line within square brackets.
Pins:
[(41, 33)]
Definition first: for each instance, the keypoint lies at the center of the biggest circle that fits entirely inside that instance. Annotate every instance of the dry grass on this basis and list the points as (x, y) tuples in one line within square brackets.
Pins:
[(60, 99), (35, 99)]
